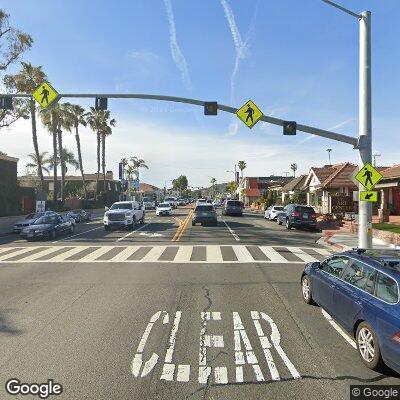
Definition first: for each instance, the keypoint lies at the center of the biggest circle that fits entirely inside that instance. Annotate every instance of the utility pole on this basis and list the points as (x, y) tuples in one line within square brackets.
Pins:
[(365, 126), (329, 155)]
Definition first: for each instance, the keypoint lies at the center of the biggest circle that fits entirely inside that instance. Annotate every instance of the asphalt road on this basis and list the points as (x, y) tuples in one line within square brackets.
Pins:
[(171, 311)]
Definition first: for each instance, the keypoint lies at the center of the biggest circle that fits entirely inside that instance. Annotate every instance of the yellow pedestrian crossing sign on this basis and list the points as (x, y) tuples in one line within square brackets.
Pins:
[(368, 176), (371, 196), (249, 113), (45, 94)]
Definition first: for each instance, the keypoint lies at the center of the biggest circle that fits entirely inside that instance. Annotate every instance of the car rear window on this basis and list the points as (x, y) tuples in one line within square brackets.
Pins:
[(204, 208), (234, 203), (386, 289), (308, 210), (278, 208)]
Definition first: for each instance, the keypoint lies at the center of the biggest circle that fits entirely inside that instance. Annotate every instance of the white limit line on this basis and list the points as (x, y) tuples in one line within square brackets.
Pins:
[(341, 332)]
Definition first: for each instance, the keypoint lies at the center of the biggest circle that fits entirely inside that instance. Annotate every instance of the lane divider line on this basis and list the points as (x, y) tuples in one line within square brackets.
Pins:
[(182, 227), (132, 232), (232, 231), (189, 217), (341, 332)]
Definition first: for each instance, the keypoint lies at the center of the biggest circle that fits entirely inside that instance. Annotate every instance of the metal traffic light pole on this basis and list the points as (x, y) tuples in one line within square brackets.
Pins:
[(364, 119)]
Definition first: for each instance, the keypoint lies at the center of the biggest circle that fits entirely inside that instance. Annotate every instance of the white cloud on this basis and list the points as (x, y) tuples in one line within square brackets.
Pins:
[(177, 55), (146, 57)]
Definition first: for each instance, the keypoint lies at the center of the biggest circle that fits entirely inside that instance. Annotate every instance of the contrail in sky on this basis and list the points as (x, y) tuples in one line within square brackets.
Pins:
[(241, 48), (176, 52)]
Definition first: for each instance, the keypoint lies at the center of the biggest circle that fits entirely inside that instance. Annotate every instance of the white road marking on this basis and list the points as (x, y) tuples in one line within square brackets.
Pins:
[(17, 253), (303, 255), (78, 234), (276, 340), (150, 234), (232, 231), (241, 335), (242, 254), (341, 332), (214, 254), (323, 252), (97, 253), (272, 254), (124, 254), (132, 232), (183, 373), (184, 253)]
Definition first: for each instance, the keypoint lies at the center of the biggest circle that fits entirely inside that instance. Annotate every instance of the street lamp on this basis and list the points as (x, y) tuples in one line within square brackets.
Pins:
[(364, 144), (374, 157), (329, 155)]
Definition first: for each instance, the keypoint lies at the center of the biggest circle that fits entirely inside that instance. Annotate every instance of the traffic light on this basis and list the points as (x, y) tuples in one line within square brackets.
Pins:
[(100, 103), (289, 127), (6, 103), (210, 108)]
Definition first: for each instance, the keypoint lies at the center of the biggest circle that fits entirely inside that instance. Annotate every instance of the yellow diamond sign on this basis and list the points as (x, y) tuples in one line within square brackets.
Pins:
[(45, 94), (371, 196), (249, 113), (368, 176)]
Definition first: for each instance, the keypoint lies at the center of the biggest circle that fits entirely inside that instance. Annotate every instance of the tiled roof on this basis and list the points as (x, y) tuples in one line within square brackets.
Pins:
[(295, 184), (391, 172), (341, 177)]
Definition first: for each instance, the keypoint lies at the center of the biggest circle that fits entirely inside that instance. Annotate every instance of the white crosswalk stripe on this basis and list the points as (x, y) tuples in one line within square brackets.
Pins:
[(185, 254)]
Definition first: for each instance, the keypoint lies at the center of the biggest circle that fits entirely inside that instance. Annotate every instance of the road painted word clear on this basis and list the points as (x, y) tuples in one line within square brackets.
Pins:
[(204, 371)]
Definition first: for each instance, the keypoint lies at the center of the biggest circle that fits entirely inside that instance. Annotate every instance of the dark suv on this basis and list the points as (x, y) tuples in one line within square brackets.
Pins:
[(204, 214), (233, 207), (297, 216)]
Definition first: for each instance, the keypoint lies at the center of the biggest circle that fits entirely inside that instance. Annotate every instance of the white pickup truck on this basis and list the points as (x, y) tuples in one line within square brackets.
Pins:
[(123, 214)]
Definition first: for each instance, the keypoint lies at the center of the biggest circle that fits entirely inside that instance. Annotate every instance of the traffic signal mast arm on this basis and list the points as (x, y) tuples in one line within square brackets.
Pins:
[(271, 120)]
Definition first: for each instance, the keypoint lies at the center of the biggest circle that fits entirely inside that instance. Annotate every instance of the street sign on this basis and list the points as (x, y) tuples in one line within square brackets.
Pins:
[(289, 127), (100, 103), (249, 113), (371, 196), (45, 94), (368, 176), (6, 103), (40, 206)]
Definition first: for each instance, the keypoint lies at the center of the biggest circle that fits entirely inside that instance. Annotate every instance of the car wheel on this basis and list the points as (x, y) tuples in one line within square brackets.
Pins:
[(193, 223), (279, 221), (133, 225), (71, 229), (53, 234), (306, 290), (107, 228), (368, 346), (288, 226)]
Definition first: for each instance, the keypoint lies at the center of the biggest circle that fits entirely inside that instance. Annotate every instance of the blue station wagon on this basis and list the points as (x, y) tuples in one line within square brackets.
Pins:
[(360, 290)]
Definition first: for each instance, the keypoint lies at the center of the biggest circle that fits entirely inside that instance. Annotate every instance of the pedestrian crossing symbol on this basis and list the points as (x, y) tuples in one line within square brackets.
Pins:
[(368, 176), (45, 94), (249, 113)]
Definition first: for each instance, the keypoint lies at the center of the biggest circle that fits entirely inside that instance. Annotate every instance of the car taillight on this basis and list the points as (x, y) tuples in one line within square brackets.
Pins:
[(313, 216), (295, 214), (396, 337)]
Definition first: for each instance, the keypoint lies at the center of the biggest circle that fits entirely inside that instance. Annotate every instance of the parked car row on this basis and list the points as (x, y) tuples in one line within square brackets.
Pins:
[(49, 224), (292, 216)]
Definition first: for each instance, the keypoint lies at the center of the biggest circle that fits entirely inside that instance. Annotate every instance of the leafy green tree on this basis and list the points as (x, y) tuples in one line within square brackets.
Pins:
[(26, 81), (180, 183), (231, 187), (213, 182), (68, 158)]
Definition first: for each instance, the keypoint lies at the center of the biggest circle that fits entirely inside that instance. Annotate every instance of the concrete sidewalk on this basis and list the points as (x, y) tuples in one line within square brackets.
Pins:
[(341, 241)]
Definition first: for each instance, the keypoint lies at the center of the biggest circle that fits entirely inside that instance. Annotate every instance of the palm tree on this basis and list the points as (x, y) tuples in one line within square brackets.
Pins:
[(26, 81), (107, 131), (138, 163), (77, 115), (99, 122), (213, 182), (50, 122), (293, 167), (242, 166), (68, 157), (38, 163)]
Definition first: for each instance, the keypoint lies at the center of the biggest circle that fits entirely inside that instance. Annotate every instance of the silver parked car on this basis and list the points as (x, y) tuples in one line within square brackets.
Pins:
[(30, 219)]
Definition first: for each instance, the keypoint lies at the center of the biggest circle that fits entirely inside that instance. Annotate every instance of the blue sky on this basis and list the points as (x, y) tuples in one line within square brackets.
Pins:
[(298, 60)]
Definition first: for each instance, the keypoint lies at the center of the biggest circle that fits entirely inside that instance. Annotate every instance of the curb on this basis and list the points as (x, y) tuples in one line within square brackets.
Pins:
[(325, 240)]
